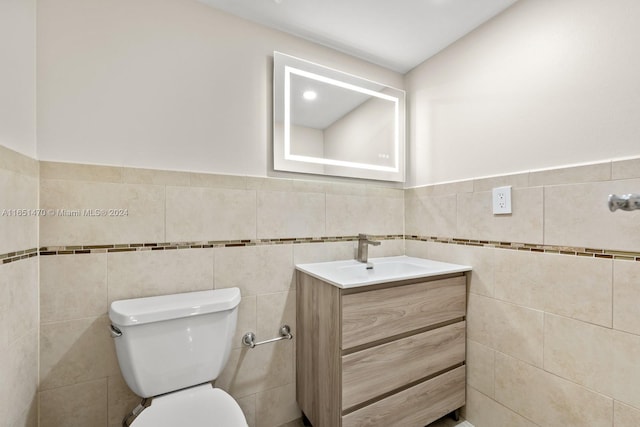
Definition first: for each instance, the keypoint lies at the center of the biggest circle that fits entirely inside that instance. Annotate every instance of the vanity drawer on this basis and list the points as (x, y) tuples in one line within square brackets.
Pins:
[(374, 371), (415, 406), (373, 315)]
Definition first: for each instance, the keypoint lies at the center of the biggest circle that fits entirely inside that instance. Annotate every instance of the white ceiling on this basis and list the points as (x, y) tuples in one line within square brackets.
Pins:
[(397, 34)]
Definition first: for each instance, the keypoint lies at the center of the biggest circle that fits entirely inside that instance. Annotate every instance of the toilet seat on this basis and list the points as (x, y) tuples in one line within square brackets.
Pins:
[(199, 406)]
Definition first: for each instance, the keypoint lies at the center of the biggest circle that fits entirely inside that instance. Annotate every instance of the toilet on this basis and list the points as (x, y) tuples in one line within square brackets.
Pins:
[(170, 348)]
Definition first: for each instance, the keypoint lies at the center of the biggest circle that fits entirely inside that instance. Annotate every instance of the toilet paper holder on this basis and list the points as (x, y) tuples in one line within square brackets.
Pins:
[(249, 339)]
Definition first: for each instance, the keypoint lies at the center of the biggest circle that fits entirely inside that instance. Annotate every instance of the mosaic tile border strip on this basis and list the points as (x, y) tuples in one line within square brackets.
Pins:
[(18, 255), (134, 247), (529, 247)]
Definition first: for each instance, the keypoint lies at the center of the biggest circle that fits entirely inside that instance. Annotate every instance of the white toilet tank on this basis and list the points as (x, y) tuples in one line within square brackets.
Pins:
[(170, 342)]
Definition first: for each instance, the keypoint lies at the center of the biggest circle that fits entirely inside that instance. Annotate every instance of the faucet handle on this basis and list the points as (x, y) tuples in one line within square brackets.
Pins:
[(365, 238)]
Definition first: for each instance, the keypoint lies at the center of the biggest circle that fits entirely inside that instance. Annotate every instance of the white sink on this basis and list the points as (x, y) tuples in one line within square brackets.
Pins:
[(351, 273)]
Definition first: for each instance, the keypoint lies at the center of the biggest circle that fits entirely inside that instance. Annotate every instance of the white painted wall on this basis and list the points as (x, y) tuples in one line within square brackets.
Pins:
[(547, 83), (18, 75), (169, 84)]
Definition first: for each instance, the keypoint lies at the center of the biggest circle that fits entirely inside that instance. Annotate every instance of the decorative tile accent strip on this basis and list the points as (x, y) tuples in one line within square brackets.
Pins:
[(18, 255), (134, 247), (163, 246), (529, 247)]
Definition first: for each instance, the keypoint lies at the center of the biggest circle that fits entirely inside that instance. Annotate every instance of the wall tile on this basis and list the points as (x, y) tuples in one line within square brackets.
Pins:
[(518, 180), (29, 417), (269, 184), (625, 416), (4, 373), (276, 406), (571, 175), (218, 181), (264, 367), (579, 352), (156, 177), (350, 215), (273, 311), (578, 215), (246, 319), (476, 220), (480, 367), (323, 252), (626, 370), (441, 189), (13, 161), (482, 411), (21, 381), (80, 172), (121, 400), (387, 248), (255, 269), (482, 260), (417, 249), (197, 214), (626, 294), (571, 286), (290, 214), (76, 351), (73, 287), (345, 189), (625, 169), (382, 191), (508, 328), (431, 215), (78, 405), (144, 221), (19, 287), (309, 186), (248, 406), (480, 319), (18, 191), (150, 273), (547, 399)]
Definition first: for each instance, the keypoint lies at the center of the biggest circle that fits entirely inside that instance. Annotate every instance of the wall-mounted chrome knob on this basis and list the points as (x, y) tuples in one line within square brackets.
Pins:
[(626, 202)]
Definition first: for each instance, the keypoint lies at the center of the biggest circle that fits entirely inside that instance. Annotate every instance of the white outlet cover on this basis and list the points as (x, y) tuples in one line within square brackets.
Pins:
[(502, 200)]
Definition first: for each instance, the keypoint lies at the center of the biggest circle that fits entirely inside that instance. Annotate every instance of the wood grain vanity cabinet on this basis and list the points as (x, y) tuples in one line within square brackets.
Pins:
[(384, 355)]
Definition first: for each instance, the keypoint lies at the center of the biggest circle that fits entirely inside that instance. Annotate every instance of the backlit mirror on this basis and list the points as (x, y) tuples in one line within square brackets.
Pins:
[(332, 123)]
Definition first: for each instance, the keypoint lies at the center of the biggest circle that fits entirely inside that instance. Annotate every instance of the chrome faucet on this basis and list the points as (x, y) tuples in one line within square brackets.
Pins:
[(363, 249)]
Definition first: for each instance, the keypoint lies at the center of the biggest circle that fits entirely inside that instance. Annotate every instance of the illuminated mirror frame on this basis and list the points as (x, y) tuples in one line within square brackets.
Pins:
[(284, 160)]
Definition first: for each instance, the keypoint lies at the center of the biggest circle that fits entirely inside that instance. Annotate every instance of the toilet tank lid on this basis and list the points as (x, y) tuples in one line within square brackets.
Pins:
[(138, 311)]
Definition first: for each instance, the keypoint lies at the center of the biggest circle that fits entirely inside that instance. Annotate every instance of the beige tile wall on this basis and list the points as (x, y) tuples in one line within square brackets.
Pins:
[(18, 292), (540, 324), (77, 359), (553, 339)]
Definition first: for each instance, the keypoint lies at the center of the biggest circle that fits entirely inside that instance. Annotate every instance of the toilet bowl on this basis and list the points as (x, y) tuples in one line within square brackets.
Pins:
[(195, 406), (170, 348)]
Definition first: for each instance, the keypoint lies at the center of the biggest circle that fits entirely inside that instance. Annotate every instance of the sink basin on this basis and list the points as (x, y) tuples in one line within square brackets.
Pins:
[(351, 273)]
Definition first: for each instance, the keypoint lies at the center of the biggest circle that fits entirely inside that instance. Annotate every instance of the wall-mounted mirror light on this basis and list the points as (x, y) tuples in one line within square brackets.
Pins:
[(332, 123)]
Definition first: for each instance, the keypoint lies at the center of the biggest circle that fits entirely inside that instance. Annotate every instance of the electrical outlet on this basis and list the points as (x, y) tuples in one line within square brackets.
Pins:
[(502, 200)]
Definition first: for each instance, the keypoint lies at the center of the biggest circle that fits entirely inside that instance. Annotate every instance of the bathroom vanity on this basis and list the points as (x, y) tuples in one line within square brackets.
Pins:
[(380, 347)]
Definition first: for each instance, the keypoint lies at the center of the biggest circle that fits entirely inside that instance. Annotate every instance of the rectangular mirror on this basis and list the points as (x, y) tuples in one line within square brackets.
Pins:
[(332, 123)]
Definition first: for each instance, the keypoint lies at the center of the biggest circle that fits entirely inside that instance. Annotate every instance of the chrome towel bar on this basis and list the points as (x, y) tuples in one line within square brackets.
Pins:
[(249, 339), (626, 202)]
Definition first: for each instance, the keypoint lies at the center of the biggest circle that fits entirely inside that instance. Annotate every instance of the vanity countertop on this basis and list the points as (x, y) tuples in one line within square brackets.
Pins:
[(351, 273)]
